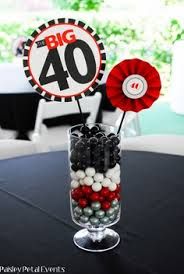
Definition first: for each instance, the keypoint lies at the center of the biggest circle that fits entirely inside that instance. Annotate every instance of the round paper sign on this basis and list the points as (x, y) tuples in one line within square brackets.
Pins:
[(64, 60)]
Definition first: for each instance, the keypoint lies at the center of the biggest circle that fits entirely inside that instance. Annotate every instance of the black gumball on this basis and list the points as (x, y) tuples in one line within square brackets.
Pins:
[(84, 130), (74, 167), (110, 135), (115, 140), (80, 145), (73, 156), (108, 143), (93, 141), (112, 164), (94, 130), (99, 135), (103, 139), (118, 158), (116, 150)]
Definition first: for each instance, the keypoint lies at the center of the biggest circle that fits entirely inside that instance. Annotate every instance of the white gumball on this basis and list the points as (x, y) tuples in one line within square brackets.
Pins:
[(117, 167), (88, 181), (81, 181), (115, 178), (80, 174), (109, 173), (90, 171), (96, 187), (106, 182), (112, 186), (74, 184), (98, 177), (73, 175)]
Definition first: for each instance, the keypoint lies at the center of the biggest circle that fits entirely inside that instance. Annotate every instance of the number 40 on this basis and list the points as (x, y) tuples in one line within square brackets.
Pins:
[(60, 75)]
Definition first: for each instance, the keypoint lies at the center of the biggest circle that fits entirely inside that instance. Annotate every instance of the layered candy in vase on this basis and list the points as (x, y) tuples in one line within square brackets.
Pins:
[(94, 156)]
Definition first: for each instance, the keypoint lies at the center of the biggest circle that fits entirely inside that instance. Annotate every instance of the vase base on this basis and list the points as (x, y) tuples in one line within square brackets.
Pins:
[(109, 241)]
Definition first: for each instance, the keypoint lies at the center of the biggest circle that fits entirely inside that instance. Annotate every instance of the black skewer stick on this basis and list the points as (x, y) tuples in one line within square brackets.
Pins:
[(122, 119), (80, 110)]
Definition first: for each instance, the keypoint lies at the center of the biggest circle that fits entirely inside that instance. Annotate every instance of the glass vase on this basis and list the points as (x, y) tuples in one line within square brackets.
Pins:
[(94, 157)]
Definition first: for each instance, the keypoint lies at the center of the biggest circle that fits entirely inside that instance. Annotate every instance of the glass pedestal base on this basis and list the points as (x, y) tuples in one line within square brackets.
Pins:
[(96, 241)]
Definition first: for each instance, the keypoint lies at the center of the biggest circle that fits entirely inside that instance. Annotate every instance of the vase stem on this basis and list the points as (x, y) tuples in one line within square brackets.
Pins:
[(96, 234)]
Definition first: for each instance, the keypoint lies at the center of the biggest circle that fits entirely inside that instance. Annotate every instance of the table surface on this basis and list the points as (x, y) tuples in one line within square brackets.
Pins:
[(36, 227)]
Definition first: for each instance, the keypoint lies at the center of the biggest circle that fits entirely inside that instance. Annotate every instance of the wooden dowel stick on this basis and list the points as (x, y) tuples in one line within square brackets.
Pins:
[(80, 110), (122, 119)]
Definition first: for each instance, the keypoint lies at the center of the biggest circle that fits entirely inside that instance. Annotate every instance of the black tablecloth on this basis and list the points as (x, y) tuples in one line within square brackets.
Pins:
[(36, 227)]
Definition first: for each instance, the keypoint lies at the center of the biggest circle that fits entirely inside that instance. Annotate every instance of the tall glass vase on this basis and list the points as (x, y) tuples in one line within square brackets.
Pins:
[(94, 157)]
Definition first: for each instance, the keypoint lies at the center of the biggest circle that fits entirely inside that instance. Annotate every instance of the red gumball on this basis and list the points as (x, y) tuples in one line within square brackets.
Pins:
[(77, 194), (94, 197), (106, 205), (118, 188), (104, 192), (101, 199), (118, 196), (111, 196), (83, 202), (86, 190)]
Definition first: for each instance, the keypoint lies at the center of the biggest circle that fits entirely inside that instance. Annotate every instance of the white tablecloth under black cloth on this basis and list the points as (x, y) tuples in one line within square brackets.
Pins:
[(36, 227)]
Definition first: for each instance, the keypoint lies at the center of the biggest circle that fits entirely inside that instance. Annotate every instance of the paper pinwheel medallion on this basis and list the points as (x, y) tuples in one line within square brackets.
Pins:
[(133, 85)]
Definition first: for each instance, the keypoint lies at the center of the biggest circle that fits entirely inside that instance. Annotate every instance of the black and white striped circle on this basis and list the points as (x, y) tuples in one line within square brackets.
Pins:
[(36, 59)]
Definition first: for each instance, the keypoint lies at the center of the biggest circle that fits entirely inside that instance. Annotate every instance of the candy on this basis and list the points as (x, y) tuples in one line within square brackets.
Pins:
[(78, 210), (116, 208), (100, 214), (106, 182), (80, 174), (104, 192), (98, 177), (86, 190), (73, 175), (74, 167), (104, 220), (81, 181), (109, 173), (84, 129), (94, 221), (74, 184), (76, 216), (110, 212), (88, 181), (96, 187), (77, 194), (95, 196), (90, 171), (112, 187), (115, 178), (106, 205), (84, 219), (94, 130), (118, 196), (87, 211), (114, 202), (83, 202), (111, 196), (101, 199), (118, 189), (95, 206), (74, 203), (112, 217), (115, 140), (117, 167)]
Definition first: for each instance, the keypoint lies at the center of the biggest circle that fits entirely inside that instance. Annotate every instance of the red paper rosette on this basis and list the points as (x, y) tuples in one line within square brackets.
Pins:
[(133, 85)]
